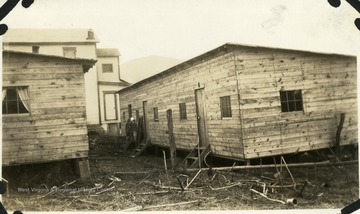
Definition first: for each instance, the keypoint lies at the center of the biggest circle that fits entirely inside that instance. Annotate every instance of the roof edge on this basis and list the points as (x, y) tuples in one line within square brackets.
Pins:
[(225, 48), (82, 60)]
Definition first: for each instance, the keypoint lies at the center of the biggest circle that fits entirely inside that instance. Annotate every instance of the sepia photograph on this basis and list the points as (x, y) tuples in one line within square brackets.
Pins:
[(139, 106)]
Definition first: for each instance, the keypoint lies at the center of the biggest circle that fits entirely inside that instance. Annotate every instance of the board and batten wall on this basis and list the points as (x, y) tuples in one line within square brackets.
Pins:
[(216, 75), (329, 87), (55, 128)]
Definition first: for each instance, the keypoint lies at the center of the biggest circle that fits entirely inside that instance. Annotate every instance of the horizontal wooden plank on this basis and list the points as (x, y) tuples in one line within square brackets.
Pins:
[(43, 134), (7, 161)]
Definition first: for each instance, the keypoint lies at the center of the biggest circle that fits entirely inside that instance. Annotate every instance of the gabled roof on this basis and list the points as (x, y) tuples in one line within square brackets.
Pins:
[(41, 36), (87, 63), (106, 52), (217, 51)]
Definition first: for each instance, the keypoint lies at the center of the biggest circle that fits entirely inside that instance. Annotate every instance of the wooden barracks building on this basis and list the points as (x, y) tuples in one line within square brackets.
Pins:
[(248, 102), (44, 109)]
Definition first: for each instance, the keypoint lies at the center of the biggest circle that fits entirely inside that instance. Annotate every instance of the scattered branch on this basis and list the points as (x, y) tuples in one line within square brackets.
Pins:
[(292, 178), (170, 205), (131, 173), (151, 193), (263, 195), (137, 208), (226, 187), (106, 190), (192, 180)]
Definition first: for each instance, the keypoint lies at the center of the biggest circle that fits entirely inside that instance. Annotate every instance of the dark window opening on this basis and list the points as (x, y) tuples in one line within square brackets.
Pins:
[(225, 106), (182, 110), (156, 114), (35, 49), (129, 111), (291, 101), (15, 100), (137, 114), (107, 68)]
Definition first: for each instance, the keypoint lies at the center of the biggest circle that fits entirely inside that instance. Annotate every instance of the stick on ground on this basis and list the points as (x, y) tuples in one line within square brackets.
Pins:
[(170, 205), (263, 195)]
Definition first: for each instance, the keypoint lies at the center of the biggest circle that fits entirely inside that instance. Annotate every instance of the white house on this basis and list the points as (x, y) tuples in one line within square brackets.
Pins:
[(78, 43), (108, 71)]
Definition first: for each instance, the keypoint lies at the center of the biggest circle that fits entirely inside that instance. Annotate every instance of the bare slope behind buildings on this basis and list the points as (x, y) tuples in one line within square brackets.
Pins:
[(141, 68)]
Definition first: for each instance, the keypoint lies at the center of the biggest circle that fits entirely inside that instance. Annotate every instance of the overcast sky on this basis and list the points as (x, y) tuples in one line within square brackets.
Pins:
[(183, 29)]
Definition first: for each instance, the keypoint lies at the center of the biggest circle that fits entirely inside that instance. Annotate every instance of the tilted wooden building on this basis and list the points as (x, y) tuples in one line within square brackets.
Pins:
[(248, 102), (43, 108)]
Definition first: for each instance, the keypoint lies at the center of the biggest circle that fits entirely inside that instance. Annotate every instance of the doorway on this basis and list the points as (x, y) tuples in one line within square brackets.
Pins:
[(201, 119)]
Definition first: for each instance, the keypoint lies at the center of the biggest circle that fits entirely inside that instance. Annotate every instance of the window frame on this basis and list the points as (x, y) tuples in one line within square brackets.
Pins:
[(291, 101), (65, 49), (182, 111), (156, 114), (225, 107), (104, 65), (18, 100), (35, 49)]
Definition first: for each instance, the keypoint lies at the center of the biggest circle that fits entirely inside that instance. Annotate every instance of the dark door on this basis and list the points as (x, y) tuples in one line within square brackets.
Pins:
[(201, 119), (146, 120)]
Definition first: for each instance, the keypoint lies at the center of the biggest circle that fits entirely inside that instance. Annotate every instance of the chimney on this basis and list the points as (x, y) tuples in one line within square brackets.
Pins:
[(90, 35)]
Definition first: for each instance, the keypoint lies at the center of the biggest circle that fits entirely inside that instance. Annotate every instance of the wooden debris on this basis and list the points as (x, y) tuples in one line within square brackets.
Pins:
[(323, 163), (226, 187), (165, 166), (113, 178), (170, 205), (142, 181), (90, 202), (137, 208), (292, 178), (180, 183), (151, 193), (132, 173), (192, 180), (265, 196), (105, 190)]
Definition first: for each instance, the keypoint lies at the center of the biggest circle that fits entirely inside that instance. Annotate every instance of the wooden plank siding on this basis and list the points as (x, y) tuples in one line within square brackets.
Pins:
[(55, 128), (217, 77), (253, 78), (328, 85)]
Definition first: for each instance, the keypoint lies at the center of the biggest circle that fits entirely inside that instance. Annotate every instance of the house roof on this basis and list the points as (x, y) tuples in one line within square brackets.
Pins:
[(217, 51), (88, 63), (106, 52), (41, 36)]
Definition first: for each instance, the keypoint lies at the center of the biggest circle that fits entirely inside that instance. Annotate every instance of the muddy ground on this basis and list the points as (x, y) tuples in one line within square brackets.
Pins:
[(122, 182)]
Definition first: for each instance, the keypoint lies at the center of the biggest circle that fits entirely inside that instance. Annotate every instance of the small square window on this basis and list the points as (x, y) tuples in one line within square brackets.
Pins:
[(182, 110), (35, 49), (69, 52), (291, 101), (107, 68), (225, 107), (156, 114)]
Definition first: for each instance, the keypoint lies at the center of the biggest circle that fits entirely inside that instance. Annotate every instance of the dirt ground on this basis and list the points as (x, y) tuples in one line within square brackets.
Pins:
[(122, 182)]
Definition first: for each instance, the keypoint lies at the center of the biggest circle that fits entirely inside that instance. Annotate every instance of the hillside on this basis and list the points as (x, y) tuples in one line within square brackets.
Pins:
[(138, 69)]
